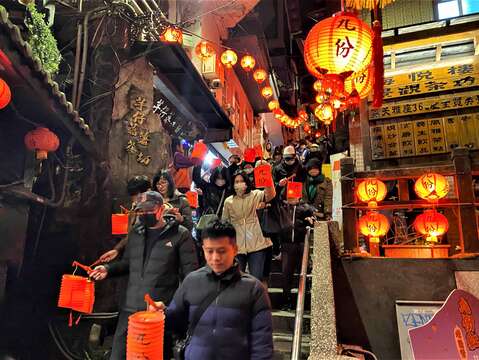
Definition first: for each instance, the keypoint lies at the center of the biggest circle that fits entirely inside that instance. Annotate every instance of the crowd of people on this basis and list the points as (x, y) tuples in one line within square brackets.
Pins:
[(234, 233)]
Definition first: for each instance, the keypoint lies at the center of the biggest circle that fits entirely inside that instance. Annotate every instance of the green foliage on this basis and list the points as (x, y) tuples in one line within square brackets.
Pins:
[(42, 41)]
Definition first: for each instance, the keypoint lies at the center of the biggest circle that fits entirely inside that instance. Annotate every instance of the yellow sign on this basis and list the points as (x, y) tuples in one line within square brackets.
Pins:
[(451, 77), (392, 140), (406, 138), (425, 105), (377, 142)]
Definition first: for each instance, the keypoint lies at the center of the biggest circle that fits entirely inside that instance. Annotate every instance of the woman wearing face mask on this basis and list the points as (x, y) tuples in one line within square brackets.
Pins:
[(318, 190), (240, 210), (215, 191), (181, 210)]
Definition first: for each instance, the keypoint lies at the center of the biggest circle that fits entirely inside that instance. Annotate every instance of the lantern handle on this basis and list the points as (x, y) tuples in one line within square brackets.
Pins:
[(150, 301), (88, 269)]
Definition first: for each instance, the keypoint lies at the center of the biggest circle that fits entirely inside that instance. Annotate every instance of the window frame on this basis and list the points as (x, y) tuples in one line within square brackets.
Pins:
[(436, 8)]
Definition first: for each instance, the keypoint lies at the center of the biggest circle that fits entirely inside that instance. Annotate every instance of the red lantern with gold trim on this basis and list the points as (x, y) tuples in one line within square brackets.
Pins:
[(248, 63), (373, 225), (42, 141), (204, 50), (229, 58), (260, 76), (431, 187), (339, 44), (371, 191), (431, 224), (5, 94)]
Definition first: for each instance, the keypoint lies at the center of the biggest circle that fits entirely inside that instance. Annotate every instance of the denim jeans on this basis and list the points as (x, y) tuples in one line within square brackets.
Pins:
[(255, 261)]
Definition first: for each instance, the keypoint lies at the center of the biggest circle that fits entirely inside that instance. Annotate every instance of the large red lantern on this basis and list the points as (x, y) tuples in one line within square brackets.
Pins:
[(229, 58), (260, 76), (431, 224), (362, 81), (337, 45), (5, 94), (371, 191), (204, 50), (373, 225), (42, 141), (431, 187), (248, 63)]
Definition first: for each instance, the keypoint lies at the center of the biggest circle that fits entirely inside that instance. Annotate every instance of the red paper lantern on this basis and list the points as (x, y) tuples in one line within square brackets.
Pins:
[(199, 150), (307, 127), (172, 34), (248, 63), (192, 197), (431, 187), (373, 225), (77, 292), (431, 224), (294, 190), (229, 58), (273, 105), (362, 81), (339, 44), (42, 141), (267, 92), (5, 94), (325, 113), (119, 224), (249, 155), (260, 76), (371, 191), (204, 50), (263, 177)]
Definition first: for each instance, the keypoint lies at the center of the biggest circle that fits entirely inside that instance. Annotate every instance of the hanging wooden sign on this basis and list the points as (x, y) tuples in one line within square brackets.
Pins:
[(425, 105), (452, 77)]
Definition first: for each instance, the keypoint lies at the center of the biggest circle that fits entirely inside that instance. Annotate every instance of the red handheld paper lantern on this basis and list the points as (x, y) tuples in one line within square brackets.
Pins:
[(373, 225), (431, 187), (248, 63), (249, 155), (192, 197), (42, 141), (371, 191), (199, 150), (431, 224), (294, 190), (260, 76), (263, 177), (339, 44), (204, 50), (119, 224), (5, 94)]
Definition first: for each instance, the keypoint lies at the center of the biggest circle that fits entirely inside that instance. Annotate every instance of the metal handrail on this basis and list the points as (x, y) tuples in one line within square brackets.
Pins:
[(298, 322)]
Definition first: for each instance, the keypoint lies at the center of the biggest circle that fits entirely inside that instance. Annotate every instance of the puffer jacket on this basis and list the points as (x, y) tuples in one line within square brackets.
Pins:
[(236, 326), (171, 257), (180, 202)]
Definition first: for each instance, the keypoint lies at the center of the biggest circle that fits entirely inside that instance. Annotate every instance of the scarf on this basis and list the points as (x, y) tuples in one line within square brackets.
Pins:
[(312, 186)]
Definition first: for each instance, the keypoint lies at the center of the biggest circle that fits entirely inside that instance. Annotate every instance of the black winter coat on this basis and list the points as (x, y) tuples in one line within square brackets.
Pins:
[(212, 193), (172, 257), (283, 170)]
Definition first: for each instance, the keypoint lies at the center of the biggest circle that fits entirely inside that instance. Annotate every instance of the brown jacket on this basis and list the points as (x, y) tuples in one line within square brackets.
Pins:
[(323, 200)]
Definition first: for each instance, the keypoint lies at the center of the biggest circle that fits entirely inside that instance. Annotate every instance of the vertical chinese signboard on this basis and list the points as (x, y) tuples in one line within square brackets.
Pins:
[(138, 133)]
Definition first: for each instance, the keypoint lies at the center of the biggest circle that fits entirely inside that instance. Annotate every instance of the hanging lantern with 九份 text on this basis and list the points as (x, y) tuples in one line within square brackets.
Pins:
[(267, 92), (204, 50), (172, 35), (431, 224), (341, 44), (431, 187), (247, 63), (229, 58), (260, 75), (273, 105), (42, 141), (362, 81), (371, 191), (373, 225), (5, 94)]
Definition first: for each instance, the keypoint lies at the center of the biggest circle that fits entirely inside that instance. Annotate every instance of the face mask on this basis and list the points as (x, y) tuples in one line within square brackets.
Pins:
[(220, 182), (248, 170), (313, 173), (240, 189), (289, 162), (149, 220)]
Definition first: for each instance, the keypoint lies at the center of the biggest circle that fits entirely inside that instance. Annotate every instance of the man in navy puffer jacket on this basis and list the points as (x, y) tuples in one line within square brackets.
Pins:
[(237, 325)]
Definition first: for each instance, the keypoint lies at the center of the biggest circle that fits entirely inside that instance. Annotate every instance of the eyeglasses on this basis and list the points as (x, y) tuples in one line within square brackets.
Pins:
[(288, 158)]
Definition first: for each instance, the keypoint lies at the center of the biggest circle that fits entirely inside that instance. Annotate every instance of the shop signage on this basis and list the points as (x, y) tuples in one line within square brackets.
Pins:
[(170, 119), (452, 77), (138, 133), (452, 333), (424, 136), (425, 105)]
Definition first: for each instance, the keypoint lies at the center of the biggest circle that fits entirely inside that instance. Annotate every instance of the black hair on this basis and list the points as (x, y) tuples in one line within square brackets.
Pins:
[(165, 174), (222, 172), (246, 179), (138, 184), (218, 229), (175, 142)]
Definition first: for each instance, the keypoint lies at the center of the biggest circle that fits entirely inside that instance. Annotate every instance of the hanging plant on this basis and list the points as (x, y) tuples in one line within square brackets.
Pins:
[(42, 41)]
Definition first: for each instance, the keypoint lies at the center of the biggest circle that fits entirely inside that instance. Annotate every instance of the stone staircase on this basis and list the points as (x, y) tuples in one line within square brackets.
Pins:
[(283, 321)]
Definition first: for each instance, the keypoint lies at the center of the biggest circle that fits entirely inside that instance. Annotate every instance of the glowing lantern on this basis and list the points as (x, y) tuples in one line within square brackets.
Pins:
[(204, 50), (5, 94), (248, 63), (294, 190), (172, 35), (362, 81), (324, 113), (200, 150), (373, 225), (278, 113), (260, 75), (371, 191), (332, 84), (337, 103), (339, 44), (273, 105), (267, 92), (318, 85), (229, 58), (431, 187), (317, 135), (42, 141), (307, 128), (321, 98), (303, 115), (431, 224), (353, 99)]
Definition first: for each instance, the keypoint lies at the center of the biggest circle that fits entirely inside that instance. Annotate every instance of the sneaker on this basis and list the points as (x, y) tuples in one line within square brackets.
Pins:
[(277, 257)]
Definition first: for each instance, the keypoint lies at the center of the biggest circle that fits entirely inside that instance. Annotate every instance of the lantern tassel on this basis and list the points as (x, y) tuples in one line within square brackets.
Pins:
[(378, 62)]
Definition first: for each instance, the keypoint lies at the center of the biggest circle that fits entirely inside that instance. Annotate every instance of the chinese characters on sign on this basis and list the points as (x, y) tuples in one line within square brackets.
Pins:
[(425, 105), (451, 77), (170, 120), (139, 135)]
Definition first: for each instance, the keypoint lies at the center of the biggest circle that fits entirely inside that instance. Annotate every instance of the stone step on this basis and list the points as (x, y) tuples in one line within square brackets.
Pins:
[(283, 345), (276, 280), (276, 297), (283, 322)]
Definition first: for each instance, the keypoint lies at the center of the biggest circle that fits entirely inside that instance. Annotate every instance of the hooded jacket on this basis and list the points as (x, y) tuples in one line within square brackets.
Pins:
[(156, 269), (212, 193), (236, 326)]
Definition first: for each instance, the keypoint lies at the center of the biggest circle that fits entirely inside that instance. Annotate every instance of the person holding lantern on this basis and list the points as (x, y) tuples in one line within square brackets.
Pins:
[(318, 190), (289, 169), (181, 166), (158, 255)]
